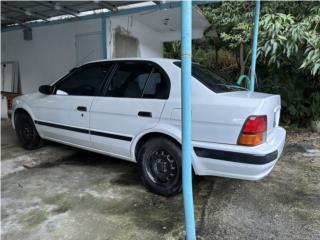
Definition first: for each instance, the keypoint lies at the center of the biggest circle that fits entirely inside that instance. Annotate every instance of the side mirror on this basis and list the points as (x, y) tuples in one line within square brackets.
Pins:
[(45, 89)]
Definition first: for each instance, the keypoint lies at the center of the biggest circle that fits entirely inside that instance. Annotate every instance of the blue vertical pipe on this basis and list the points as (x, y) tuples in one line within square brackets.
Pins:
[(104, 36), (186, 31), (254, 47)]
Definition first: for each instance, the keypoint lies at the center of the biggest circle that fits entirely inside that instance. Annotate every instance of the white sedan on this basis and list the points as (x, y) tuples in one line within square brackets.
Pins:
[(131, 109)]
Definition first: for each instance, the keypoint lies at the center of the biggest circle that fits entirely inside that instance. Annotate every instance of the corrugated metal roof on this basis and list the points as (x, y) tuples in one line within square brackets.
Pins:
[(23, 12)]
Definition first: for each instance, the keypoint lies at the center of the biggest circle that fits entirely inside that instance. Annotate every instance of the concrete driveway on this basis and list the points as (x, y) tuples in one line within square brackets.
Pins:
[(62, 193)]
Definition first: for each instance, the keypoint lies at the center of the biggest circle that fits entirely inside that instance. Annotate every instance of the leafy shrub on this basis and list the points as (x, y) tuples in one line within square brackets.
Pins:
[(288, 61), (294, 95), (315, 106)]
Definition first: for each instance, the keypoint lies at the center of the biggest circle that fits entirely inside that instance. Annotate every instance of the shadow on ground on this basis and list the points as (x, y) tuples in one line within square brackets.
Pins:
[(284, 205), (89, 196)]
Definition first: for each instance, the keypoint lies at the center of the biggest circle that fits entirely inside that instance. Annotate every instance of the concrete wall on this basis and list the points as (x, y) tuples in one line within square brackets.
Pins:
[(48, 56), (150, 41), (52, 51)]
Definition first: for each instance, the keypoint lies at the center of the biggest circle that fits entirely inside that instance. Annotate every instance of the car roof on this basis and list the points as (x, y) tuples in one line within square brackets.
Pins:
[(156, 60)]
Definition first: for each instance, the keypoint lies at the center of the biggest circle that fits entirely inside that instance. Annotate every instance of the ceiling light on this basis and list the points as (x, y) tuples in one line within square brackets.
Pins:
[(57, 7), (28, 12)]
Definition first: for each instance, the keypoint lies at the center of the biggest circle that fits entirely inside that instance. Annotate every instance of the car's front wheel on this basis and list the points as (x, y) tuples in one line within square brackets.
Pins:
[(27, 132), (159, 165)]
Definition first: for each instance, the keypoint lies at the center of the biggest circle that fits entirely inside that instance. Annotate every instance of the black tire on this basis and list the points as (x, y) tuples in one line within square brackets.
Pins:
[(27, 132), (159, 166)]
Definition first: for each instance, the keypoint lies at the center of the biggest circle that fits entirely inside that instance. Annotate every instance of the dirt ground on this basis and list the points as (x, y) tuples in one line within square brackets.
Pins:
[(80, 195)]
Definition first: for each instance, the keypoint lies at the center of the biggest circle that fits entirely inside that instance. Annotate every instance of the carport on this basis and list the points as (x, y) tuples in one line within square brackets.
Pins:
[(107, 49), (118, 37), (79, 32), (26, 16)]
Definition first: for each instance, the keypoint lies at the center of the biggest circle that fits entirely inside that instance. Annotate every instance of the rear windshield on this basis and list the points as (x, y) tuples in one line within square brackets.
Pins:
[(211, 80)]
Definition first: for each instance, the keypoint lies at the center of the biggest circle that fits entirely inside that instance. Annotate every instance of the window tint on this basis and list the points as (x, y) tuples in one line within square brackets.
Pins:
[(211, 79), (138, 80), (129, 80), (157, 86), (83, 82)]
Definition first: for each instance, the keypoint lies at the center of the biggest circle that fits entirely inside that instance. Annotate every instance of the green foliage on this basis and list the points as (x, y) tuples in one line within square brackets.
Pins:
[(315, 106), (312, 60), (294, 94), (288, 33), (172, 50), (232, 21), (285, 39), (279, 39), (288, 50), (205, 54)]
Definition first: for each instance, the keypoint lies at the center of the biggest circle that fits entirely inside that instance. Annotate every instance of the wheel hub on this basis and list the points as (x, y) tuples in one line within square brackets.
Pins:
[(27, 132), (162, 165), (163, 168)]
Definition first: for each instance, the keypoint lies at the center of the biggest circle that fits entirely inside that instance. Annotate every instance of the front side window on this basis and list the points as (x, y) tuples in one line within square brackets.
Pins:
[(86, 81)]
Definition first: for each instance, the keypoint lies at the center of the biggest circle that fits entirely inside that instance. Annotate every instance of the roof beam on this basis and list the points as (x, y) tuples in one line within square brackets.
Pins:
[(16, 21), (58, 7), (24, 11), (159, 2), (106, 5)]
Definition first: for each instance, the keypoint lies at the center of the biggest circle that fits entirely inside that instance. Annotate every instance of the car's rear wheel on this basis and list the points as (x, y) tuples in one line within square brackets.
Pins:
[(27, 132), (159, 165)]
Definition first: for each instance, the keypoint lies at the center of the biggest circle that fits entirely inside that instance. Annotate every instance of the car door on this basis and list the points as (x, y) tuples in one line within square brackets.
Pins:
[(132, 102), (64, 115)]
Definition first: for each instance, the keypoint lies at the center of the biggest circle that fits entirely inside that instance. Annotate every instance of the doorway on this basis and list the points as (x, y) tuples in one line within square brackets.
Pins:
[(88, 47)]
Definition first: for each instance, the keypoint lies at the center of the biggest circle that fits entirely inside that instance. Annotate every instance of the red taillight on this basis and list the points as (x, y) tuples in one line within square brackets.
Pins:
[(255, 124), (254, 131)]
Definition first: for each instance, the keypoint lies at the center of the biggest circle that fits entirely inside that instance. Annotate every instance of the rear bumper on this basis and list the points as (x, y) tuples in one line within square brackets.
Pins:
[(234, 161)]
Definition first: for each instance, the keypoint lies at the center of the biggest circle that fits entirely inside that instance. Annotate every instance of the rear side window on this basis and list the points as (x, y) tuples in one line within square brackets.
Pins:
[(211, 80), (157, 86), (137, 80), (86, 81)]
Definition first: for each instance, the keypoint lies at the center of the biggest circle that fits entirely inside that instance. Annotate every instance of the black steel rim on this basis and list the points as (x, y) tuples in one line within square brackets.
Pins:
[(27, 132), (162, 168)]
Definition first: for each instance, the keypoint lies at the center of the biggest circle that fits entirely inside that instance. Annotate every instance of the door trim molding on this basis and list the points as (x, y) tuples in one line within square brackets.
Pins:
[(85, 131)]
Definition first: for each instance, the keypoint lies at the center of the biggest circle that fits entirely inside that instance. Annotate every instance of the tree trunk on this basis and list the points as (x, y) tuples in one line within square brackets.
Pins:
[(216, 52), (242, 60)]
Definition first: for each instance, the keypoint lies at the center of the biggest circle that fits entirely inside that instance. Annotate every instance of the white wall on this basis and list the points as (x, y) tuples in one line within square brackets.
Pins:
[(52, 52), (49, 55), (151, 44)]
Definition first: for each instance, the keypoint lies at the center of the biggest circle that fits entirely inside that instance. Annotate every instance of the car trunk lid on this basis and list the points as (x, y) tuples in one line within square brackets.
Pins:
[(268, 104)]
